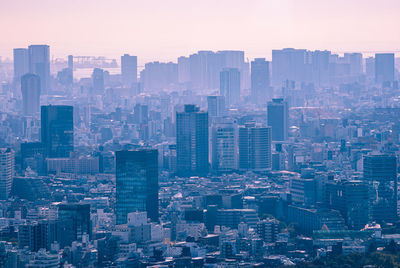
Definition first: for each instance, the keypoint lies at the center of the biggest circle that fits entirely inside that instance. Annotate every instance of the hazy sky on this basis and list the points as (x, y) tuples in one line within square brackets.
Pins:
[(165, 29)]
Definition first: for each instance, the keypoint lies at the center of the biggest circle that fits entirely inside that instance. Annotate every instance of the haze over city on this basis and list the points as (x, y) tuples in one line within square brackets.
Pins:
[(164, 30), (199, 134)]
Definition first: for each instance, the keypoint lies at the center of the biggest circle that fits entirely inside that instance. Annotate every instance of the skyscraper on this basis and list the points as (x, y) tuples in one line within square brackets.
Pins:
[(30, 87), (255, 148), (260, 80), (21, 63), (224, 145), (71, 62), (288, 64), (6, 172), (57, 130), (278, 119), (73, 223), (39, 64), (98, 80), (380, 172), (129, 70), (229, 85), (192, 141), (384, 67), (137, 183), (216, 105)]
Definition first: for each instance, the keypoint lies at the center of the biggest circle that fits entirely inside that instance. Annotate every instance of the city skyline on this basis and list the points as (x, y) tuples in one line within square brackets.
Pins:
[(82, 28)]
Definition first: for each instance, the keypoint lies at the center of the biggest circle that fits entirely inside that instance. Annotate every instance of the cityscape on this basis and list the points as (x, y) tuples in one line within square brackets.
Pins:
[(211, 159)]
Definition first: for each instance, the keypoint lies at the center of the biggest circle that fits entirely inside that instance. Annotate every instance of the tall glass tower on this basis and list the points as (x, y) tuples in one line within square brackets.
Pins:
[(192, 141), (57, 130), (137, 183)]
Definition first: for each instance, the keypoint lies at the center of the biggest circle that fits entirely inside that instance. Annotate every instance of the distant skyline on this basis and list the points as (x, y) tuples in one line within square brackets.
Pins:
[(164, 30)]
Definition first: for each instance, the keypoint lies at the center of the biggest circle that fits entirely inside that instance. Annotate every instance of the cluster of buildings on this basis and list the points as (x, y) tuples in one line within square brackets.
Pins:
[(212, 161)]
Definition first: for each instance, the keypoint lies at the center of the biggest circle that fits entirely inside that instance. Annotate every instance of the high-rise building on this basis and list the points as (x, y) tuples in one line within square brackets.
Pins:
[(71, 62), (21, 63), (255, 148), (351, 198), (224, 145), (384, 67), (98, 80), (6, 172), (129, 70), (57, 130), (30, 87), (159, 76), (137, 183), (278, 119), (39, 64), (229, 85), (288, 64), (216, 105), (320, 67), (73, 223), (192, 141), (260, 80), (380, 172)]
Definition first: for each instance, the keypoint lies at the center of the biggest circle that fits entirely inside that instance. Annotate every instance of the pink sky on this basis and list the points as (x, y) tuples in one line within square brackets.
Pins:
[(165, 29)]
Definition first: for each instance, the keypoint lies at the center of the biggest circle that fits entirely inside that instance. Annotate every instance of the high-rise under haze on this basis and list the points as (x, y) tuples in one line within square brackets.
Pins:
[(39, 64), (30, 88), (380, 172), (136, 183), (255, 147), (260, 81), (384, 67), (278, 119), (229, 85), (129, 70), (21, 63), (57, 130), (6, 172), (192, 141)]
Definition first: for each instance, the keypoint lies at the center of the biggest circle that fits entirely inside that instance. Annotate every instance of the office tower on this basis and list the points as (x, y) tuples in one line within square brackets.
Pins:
[(39, 64), (137, 183), (384, 67), (216, 105), (320, 67), (260, 81), (235, 59), (288, 64), (129, 70), (6, 172), (192, 141), (36, 235), (57, 130), (224, 145), (141, 114), (71, 62), (255, 148), (351, 198), (71, 68), (278, 119), (159, 76), (73, 223), (380, 172), (355, 62), (98, 80), (21, 63), (183, 70), (370, 67), (30, 87), (229, 86), (33, 156)]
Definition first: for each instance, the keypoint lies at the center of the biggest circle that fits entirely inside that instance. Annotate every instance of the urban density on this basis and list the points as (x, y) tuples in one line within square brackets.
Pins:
[(214, 159)]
